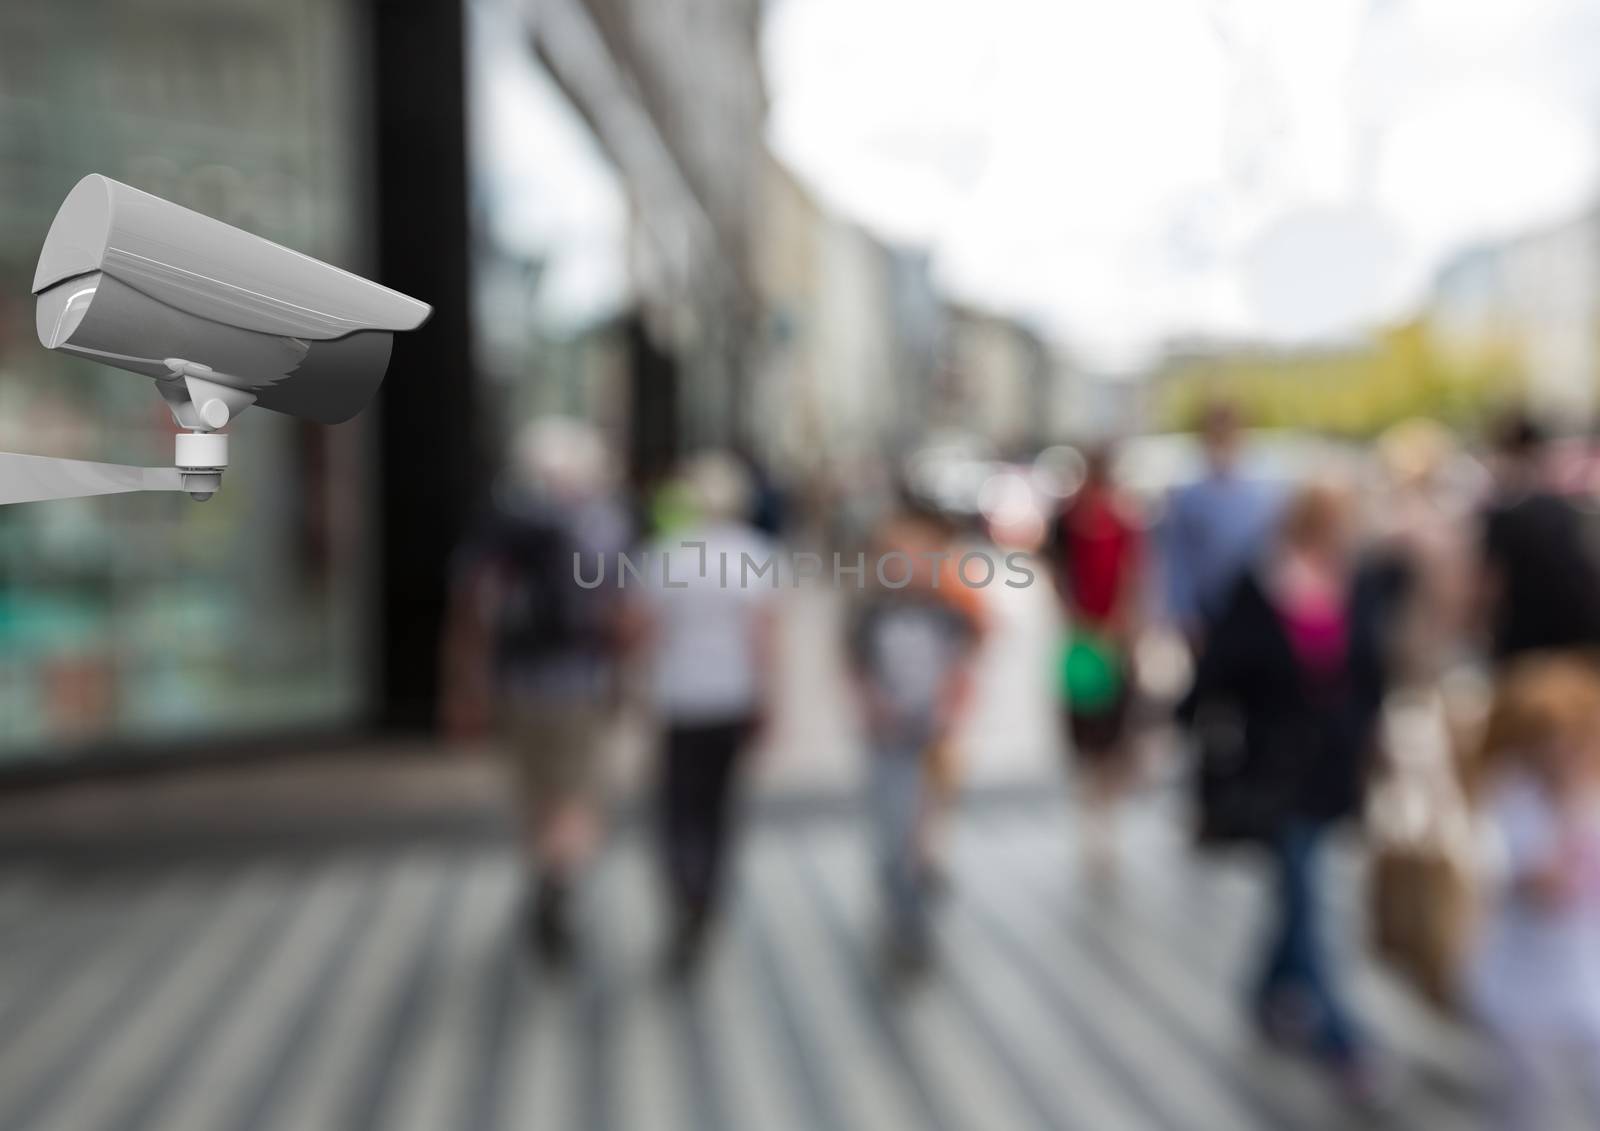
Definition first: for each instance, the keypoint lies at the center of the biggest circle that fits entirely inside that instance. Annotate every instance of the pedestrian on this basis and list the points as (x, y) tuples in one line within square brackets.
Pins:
[(1213, 528), (1293, 675), (533, 654), (910, 650), (769, 503), (708, 618), (1540, 586), (1422, 519), (1096, 551), (1534, 973)]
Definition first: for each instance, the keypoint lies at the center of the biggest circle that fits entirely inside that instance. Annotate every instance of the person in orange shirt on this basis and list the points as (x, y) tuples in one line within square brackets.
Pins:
[(910, 649), (946, 756)]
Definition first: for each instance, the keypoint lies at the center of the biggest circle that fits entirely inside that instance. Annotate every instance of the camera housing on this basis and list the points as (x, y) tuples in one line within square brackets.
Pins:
[(220, 319), (140, 283)]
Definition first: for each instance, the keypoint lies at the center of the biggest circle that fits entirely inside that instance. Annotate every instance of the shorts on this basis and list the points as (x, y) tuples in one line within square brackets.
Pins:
[(1098, 735), (945, 764), (554, 748)]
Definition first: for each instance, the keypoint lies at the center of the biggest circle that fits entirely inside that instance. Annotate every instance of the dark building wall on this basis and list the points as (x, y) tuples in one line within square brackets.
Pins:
[(429, 474)]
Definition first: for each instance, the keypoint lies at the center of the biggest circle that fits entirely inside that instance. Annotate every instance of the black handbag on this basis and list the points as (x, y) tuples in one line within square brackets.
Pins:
[(1237, 799)]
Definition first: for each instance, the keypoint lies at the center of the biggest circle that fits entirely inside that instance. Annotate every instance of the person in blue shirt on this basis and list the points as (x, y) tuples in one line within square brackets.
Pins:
[(1213, 530)]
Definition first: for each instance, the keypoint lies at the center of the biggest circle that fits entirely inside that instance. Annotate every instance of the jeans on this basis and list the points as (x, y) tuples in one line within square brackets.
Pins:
[(895, 793), (1295, 985)]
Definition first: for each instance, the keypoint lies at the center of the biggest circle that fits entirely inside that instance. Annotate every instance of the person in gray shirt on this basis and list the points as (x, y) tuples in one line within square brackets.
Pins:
[(910, 649)]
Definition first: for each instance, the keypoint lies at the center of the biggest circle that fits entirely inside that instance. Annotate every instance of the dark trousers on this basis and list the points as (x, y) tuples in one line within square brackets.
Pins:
[(698, 766), (1295, 972)]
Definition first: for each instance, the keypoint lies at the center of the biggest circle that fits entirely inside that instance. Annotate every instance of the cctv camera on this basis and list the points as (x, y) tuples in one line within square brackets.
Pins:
[(219, 318)]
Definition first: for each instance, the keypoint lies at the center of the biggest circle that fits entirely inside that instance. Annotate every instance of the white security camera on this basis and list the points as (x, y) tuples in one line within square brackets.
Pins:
[(219, 318)]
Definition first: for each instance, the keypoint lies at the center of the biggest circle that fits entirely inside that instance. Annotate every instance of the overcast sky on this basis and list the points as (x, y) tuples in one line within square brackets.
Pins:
[(1125, 171)]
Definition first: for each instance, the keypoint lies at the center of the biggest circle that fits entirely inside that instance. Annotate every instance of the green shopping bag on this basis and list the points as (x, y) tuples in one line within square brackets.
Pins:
[(1091, 673)]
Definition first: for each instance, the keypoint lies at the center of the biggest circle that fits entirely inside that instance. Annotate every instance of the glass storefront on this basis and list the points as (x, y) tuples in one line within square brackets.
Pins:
[(144, 619), (550, 240)]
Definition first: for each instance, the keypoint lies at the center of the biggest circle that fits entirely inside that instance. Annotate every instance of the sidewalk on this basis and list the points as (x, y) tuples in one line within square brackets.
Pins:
[(388, 988)]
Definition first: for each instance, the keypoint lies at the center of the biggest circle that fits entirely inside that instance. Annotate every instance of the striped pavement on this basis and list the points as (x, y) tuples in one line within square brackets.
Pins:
[(385, 986)]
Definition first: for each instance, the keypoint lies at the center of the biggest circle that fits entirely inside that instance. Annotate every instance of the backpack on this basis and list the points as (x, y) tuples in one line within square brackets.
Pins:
[(543, 611)]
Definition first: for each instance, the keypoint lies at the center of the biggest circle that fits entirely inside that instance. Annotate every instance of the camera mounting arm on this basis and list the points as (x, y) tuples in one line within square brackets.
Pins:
[(197, 400), (35, 479)]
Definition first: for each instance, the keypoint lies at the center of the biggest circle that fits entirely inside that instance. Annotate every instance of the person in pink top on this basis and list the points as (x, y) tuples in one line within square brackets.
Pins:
[(1286, 701)]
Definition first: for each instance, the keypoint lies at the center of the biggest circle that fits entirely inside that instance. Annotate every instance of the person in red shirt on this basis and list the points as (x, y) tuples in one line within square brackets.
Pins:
[(1097, 549)]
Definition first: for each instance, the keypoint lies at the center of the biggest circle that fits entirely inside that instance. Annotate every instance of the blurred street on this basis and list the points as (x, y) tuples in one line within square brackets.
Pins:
[(376, 977), (341, 944), (799, 565)]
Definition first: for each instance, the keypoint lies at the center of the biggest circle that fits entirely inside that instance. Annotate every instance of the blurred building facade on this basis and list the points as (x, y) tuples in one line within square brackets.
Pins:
[(550, 243), (1092, 405), (1514, 320), (582, 190), (674, 96), (997, 378), (1529, 306), (826, 370)]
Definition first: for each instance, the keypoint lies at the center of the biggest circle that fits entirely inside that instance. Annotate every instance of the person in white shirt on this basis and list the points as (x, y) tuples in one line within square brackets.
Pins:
[(1534, 974), (706, 612)]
